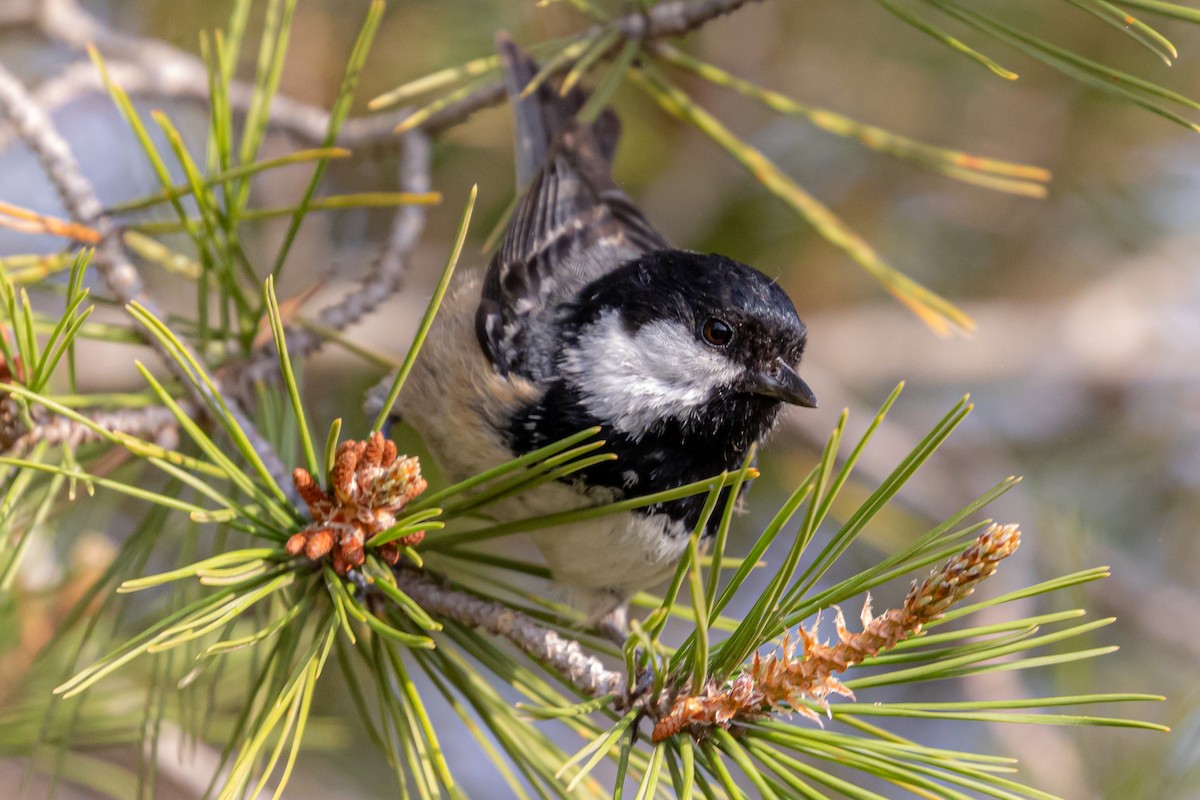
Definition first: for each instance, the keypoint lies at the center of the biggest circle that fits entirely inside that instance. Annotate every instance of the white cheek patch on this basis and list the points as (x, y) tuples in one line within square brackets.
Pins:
[(633, 382)]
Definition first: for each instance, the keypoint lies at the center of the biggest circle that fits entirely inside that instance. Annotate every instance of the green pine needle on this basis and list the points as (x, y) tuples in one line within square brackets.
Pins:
[(439, 294)]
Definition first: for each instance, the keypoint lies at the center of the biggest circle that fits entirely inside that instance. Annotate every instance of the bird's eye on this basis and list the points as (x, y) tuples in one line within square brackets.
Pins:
[(717, 332)]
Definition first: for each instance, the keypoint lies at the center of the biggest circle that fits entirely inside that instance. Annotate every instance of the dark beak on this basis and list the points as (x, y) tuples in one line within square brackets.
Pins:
[(780, 381)]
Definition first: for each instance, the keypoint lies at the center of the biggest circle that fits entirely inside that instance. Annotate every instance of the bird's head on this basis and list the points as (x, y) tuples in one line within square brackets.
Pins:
[(677, 336)]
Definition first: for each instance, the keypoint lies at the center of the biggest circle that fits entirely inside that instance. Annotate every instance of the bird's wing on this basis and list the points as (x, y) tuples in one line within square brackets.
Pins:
[(571, 225)]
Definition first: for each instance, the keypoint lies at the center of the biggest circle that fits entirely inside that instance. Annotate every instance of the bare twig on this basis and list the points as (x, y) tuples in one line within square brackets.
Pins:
[(153, 423), (116, 270), (455, 113), (665, 19), (75, 190), (181, 77), (585, 672), (674, 19), (65, 22), (147, 68), (159, 70), (62, 20), (384, 277), (150, 68)]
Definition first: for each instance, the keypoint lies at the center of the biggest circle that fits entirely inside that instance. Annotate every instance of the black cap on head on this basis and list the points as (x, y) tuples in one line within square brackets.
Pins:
[(699, 290)]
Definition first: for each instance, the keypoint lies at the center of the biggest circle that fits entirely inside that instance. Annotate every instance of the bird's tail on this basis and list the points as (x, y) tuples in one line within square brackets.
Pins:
[(544, 113)]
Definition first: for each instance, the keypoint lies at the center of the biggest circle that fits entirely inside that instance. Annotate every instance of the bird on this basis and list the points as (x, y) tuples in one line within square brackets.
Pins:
[(586, 316)]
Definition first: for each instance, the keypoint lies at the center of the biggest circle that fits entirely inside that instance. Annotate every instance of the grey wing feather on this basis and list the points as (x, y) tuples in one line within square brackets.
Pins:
[(544, 112), (571, 225)]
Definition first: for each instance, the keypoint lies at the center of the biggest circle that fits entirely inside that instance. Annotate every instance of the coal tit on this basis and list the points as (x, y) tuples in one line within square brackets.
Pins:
[(587, 316)]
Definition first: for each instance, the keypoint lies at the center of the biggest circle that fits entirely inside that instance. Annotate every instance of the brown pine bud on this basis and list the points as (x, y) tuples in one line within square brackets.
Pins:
[(296, 544), (320, 543), (667, 727), (352, 553), (307, 488), (342, 478), (412, 540), (368, 484), (390, 553), (373, 453)]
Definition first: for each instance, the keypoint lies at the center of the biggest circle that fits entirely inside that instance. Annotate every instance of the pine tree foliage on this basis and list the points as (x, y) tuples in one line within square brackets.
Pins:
[(245, 597)]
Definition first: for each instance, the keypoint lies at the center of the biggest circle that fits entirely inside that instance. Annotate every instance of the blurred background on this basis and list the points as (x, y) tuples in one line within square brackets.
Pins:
[(1085, 368)]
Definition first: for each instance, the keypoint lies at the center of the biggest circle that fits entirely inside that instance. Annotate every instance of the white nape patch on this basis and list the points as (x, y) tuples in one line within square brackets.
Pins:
[(636, 381)]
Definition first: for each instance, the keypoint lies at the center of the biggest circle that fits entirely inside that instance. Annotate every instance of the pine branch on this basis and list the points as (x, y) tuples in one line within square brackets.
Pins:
[(675, 19), (159, 70), (361, 529), (120, 276), (386, 273), (176, 76), (155, 423), (585, 672), (785, 682)]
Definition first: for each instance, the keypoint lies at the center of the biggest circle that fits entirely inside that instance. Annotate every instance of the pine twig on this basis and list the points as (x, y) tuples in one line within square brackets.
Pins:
[(152, 423), (120, 276), (784, 682), (182, 78), (585, 672), (156, 69), (385, 275), (369, 483), (387, 272), (675, 19)]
